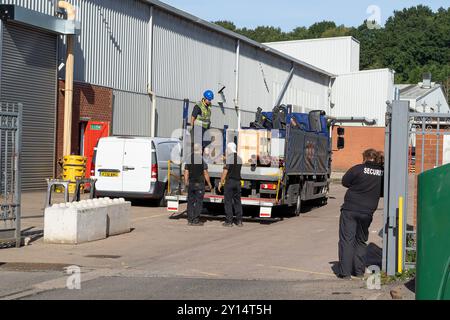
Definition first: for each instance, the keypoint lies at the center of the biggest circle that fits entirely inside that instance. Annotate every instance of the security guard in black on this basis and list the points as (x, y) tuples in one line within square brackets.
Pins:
[(365, 187)]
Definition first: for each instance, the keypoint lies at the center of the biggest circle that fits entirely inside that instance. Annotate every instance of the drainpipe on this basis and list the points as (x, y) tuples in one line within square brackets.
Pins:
[(150, 70), (68, 90), (153, 125), (236, 97)]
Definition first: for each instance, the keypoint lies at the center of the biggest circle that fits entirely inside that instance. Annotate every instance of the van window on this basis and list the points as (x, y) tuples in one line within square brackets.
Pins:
[(165, 151)]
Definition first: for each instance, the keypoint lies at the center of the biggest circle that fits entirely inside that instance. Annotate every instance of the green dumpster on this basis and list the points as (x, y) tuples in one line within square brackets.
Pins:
[(433, 235)]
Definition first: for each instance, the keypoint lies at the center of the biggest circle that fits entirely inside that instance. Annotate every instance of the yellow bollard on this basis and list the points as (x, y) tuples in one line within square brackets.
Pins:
[(400, 235), (74, 167)]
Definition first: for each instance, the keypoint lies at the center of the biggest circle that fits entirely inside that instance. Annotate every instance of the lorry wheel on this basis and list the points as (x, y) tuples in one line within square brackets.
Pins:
[(298, 206)]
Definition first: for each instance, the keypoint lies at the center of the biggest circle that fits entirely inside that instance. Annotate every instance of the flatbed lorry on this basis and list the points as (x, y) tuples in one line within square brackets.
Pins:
[(281, 167)]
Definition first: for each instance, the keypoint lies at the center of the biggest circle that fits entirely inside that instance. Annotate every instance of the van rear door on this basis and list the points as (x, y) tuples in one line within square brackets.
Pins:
[(108, 168), (137, 166)]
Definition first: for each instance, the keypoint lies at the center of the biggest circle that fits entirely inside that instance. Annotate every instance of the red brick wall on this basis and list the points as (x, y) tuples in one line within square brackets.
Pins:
[(430, 144), (89, 101), (357, 140)]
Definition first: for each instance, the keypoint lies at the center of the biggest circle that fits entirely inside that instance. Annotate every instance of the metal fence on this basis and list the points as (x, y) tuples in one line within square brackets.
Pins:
[(10, 185), (415, 142)]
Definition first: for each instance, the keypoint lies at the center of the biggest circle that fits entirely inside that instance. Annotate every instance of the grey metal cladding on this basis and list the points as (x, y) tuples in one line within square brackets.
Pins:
[(29, 77), (259, 74), (189, 59), (220, 30), (112, 47), (42, 6), (169, 116), (131, 114)]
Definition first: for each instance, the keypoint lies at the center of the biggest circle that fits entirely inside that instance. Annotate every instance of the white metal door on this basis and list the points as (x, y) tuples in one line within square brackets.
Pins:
[(108, 165), (137, 164)]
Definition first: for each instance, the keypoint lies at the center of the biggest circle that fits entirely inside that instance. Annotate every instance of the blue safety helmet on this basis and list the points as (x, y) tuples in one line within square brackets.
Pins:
[(208, 95)]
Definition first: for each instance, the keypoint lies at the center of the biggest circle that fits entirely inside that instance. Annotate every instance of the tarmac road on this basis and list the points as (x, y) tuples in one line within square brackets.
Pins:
[(166, 259)]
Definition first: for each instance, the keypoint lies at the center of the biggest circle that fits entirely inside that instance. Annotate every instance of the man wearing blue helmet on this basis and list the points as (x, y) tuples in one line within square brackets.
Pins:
[(201, 115)]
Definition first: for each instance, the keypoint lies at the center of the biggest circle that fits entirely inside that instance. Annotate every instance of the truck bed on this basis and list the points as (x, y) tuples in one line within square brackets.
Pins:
[(247, 173)]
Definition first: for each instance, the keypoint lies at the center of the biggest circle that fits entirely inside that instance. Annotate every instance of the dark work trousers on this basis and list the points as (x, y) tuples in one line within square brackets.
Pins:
[(196, 191), (353, 235), (232, 193)]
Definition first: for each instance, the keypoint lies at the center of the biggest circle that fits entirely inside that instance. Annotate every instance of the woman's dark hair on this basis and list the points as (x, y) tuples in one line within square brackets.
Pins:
[(370, 155), (380, 158)]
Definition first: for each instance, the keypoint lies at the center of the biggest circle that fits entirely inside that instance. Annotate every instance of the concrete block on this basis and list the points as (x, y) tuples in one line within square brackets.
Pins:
[(118, 220), (75, 223)]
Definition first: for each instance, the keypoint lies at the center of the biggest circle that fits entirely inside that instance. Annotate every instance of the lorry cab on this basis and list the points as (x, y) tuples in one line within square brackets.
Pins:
[(135, 167)]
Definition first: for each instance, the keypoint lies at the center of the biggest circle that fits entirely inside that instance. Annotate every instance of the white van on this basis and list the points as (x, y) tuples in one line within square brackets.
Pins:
[(136, 167)]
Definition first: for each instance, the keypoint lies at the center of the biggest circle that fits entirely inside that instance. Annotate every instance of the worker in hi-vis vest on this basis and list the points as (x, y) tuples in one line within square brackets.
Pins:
[(201, 114)]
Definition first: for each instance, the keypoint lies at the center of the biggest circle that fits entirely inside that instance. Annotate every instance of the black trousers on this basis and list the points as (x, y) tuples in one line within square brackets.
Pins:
[(232, 195), (196, 191), (353, 235)]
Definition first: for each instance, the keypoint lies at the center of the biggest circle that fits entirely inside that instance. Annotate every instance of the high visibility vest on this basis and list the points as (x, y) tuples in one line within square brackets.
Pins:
[(203, 119)]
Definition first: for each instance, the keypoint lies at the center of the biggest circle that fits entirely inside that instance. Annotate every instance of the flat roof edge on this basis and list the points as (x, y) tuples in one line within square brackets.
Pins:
[(367, 71), (316, 39)]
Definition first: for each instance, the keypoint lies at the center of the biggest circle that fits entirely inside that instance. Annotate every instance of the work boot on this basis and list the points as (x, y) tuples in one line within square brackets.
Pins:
[(239, 223), (227, 224), (342, 277), (197, 224)]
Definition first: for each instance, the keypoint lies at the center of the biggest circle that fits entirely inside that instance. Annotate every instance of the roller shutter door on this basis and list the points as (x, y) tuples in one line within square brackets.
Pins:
[(28, 75)]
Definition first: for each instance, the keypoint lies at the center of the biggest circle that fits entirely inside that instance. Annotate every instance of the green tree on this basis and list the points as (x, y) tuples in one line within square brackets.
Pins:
[(317, 29), (226, 24)]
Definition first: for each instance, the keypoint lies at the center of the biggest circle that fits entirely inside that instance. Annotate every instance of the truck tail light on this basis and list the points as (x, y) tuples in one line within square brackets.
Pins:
[(268, 186), (154, 176)]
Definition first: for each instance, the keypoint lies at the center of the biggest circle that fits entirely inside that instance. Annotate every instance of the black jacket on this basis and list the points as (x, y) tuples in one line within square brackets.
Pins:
[(365, 187)]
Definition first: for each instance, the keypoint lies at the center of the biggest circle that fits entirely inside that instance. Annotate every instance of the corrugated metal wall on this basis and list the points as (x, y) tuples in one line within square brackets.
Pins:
[(112, 48), (262, 77), (113, 51), (260, 74), (247, 117), (131, 114), (332, 54), (189, 59), (363, 94), (42, 6), (307, 90), (355, 56), (28, 76), (169, 116)]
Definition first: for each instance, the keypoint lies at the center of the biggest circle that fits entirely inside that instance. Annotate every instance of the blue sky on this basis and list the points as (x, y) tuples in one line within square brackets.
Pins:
[(289, 14)]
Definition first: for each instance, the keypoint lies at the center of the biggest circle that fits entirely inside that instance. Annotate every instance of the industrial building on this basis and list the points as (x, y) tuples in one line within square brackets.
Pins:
[(354, 93), (425, 96), (339, 55), (135, 62)]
